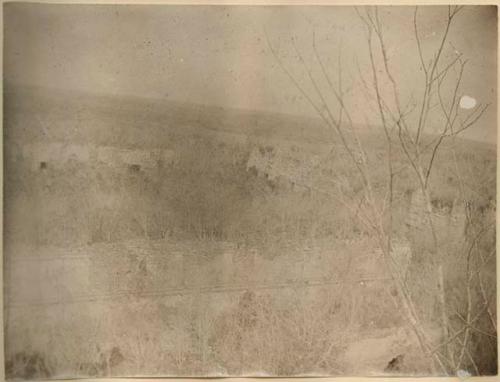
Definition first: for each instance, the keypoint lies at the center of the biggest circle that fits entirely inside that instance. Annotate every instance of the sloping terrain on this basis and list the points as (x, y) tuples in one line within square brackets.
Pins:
[(191, 240)]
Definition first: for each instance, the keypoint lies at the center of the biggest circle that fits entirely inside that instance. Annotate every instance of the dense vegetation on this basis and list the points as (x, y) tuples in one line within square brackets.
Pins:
[(208, 193)]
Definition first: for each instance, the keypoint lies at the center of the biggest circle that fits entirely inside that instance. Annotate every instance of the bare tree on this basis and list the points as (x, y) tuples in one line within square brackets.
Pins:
[(410, 138)]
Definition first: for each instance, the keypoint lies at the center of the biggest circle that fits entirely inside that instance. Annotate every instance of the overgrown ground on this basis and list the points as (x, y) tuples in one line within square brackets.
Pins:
[(232, 255)]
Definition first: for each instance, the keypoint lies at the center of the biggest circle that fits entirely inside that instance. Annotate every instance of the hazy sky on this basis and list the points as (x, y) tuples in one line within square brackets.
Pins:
[(219, 54)]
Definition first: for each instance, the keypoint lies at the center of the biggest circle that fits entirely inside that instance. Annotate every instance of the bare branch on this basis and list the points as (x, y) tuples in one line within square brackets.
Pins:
[(455, 335), (474, 328), (447, 68), (430, 77), (337, 94), (465, 125), (449, 122), (324, 103), (419, 46), (295, 82), (486, 302)]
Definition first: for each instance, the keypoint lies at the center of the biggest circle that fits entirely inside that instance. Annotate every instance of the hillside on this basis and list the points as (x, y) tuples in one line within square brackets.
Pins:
[(48, 115), (227, 229)]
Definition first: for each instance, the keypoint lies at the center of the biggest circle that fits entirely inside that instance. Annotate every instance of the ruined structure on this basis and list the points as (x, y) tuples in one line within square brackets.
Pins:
[(449, 219), (57, 155), (295, 166)]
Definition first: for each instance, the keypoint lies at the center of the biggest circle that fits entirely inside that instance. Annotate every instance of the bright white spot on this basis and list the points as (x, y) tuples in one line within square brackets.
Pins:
[(467, 102), (463, 374)]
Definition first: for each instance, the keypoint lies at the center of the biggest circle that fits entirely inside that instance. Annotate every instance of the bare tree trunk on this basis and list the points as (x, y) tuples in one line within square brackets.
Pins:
[(375, 218), (444, 314)]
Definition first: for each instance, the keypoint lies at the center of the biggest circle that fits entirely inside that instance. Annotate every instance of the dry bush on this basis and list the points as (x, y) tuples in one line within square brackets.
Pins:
[(67, 348), (278, 338)]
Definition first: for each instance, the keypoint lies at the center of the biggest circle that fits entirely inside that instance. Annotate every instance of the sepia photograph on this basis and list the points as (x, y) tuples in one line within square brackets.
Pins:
[(249, 190)]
